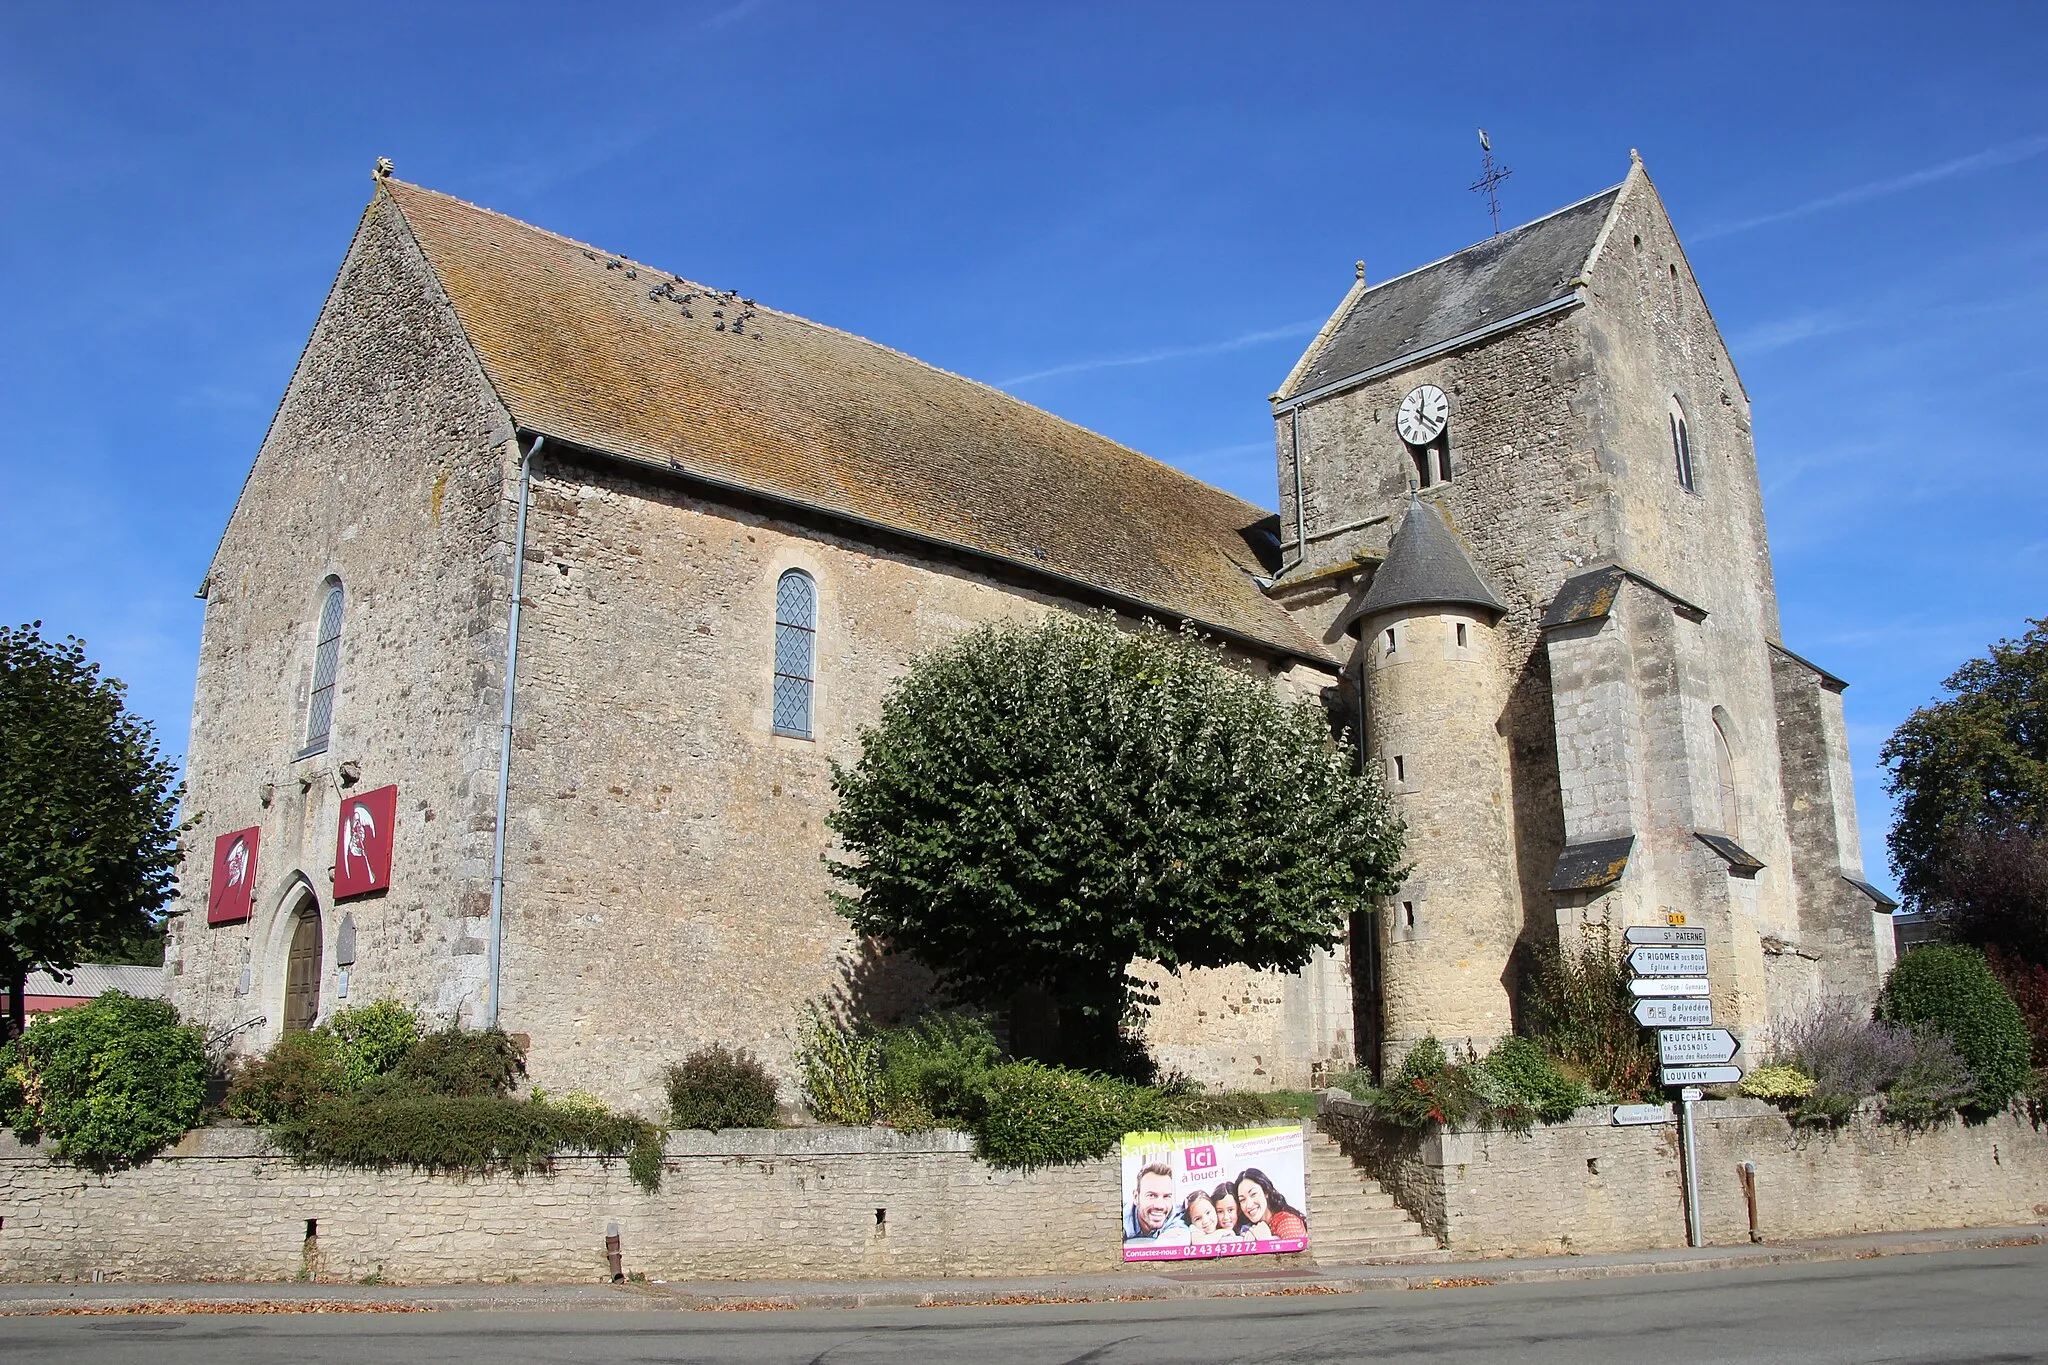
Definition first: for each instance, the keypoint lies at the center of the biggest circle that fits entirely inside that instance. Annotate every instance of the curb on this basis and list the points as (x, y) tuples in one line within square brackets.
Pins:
[(1455, 1274)]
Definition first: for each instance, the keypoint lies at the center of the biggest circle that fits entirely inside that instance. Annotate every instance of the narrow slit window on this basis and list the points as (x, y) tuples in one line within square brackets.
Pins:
[(1391, 646), (796, 652), (326, 674), (1408, 914), (1400, 768), (1461, 634), (1681, 446)]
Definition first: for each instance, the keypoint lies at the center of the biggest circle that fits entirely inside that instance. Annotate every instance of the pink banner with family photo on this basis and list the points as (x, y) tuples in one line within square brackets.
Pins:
[(1189, 1196)]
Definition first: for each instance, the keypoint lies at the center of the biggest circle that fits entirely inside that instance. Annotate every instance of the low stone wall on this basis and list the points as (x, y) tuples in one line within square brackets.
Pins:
[(1589, 1186), (802, 1203)]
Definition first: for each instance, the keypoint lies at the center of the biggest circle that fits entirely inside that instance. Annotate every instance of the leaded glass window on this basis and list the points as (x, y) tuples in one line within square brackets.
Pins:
[(326, 669), (796, 652)]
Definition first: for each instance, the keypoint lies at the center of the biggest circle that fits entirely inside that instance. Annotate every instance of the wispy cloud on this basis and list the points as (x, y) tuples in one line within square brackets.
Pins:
[(1165, 353), (2005, 154), (1787, 331)]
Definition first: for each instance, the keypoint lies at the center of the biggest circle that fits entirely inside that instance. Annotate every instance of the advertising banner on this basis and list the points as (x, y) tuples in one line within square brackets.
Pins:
[(362, 843), (231, 897), (1188, 1196)]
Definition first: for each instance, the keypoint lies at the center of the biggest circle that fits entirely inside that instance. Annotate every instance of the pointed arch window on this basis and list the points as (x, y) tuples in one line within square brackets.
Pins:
[(796, 652), (326, 673), (1724, 772), (1681, 446)]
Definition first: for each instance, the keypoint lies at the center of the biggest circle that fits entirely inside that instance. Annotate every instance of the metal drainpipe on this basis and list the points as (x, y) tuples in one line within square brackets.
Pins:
[(497, 939), (1300, 517)]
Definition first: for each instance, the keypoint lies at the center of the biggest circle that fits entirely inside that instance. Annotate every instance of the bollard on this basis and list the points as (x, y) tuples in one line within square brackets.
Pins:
[(614, 1253)]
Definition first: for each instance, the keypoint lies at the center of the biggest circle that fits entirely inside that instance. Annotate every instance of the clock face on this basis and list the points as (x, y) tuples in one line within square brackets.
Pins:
[(1423, 414)]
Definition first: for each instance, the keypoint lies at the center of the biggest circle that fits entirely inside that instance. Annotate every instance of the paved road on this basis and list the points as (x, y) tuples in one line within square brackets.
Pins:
[(1979, 1306)]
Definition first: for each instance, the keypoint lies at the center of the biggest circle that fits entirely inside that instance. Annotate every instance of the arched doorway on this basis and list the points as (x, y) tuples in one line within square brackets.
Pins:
[(302, 968)]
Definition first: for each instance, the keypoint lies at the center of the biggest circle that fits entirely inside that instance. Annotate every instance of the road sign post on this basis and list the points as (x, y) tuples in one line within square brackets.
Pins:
[(1670, 985), (1673, 936), (1702, 1075), (1668, 961)]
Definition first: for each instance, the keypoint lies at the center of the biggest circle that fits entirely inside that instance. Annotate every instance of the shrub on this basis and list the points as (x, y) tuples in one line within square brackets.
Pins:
[(1533, 1080), (2027, 983), (1200, 1110), (299, 1071), (936, 1070), (383, 1127), (1583, 1012), (1953, 990), (839, 1070), (1776, 1083), (373, 1039), (714, 1088), (1038, 1115), (461, 1063), (1934, 1081), (1430, 1088), (112, 1081)]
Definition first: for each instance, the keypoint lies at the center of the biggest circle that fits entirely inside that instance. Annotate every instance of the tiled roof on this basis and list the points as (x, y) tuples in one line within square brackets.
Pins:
[(1483, 285), (611, 355)]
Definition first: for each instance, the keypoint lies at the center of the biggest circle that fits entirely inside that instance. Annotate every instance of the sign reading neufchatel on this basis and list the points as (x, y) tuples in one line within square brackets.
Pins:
[(1236, 1193), (231, 896), (362, 843)]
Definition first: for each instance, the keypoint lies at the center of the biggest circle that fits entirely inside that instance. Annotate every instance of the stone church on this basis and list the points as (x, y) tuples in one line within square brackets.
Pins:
[(559, 579)]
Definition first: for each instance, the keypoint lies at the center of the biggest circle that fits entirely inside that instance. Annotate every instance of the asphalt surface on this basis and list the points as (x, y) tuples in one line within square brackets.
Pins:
[(1977, 1306)]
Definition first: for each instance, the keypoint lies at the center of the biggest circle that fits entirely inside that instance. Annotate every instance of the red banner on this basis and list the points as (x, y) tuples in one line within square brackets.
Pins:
[(231, 898), (362, 843)]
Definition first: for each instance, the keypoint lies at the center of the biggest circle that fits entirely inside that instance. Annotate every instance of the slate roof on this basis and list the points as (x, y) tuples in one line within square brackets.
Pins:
[(1591, 866), (602, 352), (1426, 565), (1479, 287)]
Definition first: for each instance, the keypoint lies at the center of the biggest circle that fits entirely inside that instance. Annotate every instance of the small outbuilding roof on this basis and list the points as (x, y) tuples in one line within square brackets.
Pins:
[(90, 980), (1427, 565)]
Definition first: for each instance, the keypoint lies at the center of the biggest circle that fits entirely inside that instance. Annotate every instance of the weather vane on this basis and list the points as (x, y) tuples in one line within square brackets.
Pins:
[(1486, 183)]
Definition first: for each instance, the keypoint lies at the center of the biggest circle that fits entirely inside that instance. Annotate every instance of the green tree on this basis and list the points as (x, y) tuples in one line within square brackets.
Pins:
[(88, 814), (1970, 841), (1040, 805)]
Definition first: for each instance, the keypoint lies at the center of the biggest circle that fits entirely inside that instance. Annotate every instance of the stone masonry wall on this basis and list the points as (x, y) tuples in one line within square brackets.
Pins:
[(666, 885), (1589, 1186), (385, 467), (807, 1203)]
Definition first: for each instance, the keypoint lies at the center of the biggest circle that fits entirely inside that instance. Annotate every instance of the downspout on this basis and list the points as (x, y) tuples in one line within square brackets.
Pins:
[(1300, 516), (497, 931)]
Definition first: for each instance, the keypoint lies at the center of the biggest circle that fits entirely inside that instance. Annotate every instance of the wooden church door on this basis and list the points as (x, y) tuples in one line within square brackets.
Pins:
[(302, 972)]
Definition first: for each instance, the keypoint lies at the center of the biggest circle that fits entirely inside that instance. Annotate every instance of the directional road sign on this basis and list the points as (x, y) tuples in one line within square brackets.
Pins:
[(1702, 1075), (1674, 1013), (1695, 1046), (1670, 936), (1668, 961), (1627, 1114), (1669, 985)]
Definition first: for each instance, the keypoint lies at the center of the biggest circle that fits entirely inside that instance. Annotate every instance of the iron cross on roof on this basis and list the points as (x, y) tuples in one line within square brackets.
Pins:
[(1492, 178)]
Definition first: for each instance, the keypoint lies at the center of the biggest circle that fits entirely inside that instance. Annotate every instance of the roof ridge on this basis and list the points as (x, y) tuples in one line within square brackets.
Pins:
[(1519, 227), (782, 316)]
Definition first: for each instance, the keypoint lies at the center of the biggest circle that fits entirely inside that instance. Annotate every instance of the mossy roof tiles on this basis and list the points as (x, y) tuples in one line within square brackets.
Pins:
[(609, 354)]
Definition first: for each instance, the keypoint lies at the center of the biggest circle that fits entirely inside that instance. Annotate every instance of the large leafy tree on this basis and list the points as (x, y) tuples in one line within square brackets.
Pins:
[(88, 814), (1970, 773), (1041, 805)]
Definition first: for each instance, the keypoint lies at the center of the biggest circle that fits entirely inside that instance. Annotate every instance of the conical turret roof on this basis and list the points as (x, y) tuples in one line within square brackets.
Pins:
[(1426, 566)]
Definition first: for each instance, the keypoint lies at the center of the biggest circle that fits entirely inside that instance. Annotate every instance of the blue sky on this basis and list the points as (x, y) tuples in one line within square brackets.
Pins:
[(1132, 215)]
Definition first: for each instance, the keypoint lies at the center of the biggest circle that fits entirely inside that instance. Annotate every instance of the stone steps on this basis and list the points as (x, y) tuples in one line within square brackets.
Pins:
[(1352, 1219)]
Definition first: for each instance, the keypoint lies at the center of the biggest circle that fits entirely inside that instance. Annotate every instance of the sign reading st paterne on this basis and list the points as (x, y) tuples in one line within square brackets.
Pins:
[(231, 897), (362, 843), (1665, 936)]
